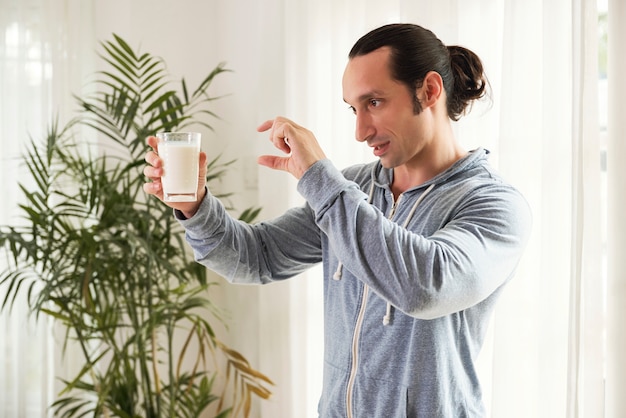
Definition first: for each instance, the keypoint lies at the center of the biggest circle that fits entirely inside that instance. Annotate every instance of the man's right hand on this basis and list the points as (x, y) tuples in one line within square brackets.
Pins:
[(154, 170)]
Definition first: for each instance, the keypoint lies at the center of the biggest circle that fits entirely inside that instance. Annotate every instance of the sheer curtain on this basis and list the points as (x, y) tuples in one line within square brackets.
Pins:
[(41, 62), (616, 224), (557, 341)]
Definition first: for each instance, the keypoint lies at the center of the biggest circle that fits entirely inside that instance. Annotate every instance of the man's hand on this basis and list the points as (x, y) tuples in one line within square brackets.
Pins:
[(154, 171), (299, 143)]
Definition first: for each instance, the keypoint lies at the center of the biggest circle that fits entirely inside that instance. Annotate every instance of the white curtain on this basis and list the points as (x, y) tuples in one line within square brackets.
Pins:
[(42, 61), (616, 224), (557, 341)]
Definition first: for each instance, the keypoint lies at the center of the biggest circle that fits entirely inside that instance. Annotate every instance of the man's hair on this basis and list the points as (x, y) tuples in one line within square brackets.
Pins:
[(415, 51)]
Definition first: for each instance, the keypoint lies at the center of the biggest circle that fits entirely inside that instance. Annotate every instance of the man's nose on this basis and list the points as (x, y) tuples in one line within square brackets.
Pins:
[(364, 128)]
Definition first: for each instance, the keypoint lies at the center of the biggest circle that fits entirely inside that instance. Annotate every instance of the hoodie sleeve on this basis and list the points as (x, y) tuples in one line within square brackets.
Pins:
[(254, 254), (459, 265)]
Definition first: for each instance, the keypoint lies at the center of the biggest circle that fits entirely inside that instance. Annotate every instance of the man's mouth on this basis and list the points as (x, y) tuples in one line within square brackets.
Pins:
[(380, 149)]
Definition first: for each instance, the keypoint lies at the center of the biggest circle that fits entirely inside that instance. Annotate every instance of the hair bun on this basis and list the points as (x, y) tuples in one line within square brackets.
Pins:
[(470, 82)]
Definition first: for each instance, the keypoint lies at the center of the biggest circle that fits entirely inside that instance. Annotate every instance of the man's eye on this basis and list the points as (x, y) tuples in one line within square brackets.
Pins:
[(352, 109), (374, 102)]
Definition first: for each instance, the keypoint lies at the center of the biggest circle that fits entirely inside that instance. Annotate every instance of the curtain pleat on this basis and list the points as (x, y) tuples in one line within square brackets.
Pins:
[(616, 223), (586, 345)]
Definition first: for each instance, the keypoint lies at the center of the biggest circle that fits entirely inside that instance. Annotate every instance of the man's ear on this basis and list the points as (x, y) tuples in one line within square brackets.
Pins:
[(431, 89)]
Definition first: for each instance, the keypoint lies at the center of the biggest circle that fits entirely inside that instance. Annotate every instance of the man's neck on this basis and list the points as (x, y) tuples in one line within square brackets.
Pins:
[(429, 165)]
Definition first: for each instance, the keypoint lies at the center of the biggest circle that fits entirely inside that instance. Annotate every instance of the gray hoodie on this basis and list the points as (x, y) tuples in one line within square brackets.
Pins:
[(409, 285)]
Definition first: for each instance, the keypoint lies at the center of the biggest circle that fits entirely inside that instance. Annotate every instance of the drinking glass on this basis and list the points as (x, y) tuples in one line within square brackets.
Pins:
[(179, 152)]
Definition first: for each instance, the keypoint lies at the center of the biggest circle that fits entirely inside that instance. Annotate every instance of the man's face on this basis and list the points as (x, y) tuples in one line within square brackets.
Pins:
[(384, 110)]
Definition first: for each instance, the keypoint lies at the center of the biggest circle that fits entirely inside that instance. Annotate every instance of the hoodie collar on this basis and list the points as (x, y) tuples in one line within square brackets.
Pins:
[(384, 177)]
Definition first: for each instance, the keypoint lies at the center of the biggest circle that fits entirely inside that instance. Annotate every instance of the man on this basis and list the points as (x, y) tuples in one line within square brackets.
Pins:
[(416, 247)]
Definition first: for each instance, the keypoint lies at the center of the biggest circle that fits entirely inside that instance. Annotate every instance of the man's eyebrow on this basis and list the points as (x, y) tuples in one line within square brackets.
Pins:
[(367, 96)]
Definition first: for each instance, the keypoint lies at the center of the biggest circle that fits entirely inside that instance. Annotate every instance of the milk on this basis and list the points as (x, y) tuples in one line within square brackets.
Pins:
[(180, 170)]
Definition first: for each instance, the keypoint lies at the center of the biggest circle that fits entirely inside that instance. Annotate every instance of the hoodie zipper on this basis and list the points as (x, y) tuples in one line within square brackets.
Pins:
[(355, 351), (357, 333)]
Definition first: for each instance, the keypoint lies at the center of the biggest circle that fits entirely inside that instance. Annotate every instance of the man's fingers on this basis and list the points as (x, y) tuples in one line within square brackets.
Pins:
[(273, 162), (153, 159), (153, 173), (281, 130), (153, 142), (282, 133), (265, 125), (202, 159), (153, 187)]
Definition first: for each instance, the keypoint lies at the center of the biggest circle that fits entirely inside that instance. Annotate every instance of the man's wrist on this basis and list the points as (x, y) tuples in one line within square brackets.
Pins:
[(184, 214)]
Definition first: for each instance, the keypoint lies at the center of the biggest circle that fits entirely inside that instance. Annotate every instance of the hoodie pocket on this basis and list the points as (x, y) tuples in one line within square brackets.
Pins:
[(375, 398), (332, 403)]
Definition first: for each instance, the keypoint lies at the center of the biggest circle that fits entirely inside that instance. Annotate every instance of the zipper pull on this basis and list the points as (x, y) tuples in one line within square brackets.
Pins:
[(394, 206)]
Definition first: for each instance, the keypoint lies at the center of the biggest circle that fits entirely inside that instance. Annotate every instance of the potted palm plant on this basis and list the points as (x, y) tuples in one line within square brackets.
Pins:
[(92, 252)]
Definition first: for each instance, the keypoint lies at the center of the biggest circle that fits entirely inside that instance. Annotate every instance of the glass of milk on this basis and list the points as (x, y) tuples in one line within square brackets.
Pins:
[(179, 152)]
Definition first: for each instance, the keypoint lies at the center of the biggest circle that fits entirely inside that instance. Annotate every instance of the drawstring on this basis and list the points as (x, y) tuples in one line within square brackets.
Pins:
[(387, 317), (338, 272)]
